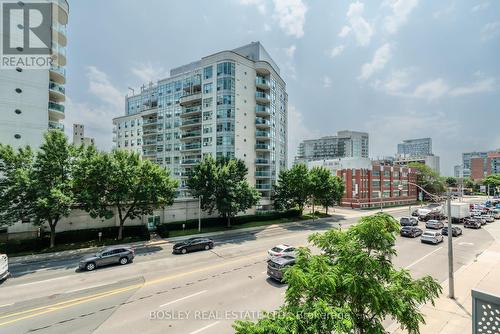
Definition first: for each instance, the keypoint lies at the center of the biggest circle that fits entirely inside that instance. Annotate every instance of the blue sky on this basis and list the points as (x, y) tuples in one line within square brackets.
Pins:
[(396, 69)]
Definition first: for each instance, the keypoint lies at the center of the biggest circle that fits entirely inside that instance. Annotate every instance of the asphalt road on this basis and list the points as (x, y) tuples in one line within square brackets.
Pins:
[(201, 292)]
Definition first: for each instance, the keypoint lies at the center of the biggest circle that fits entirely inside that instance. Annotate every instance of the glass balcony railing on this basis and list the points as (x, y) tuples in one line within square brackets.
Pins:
[(191, 109), (58, 69), (262, 121), (262, 109), (61, 28), (261, 81), (57, 87), (261, 95), (57, 48), (194, 146), (149, 142), (263, 186), (262, 161), (262, 134), (262, 146), (263, 173), (150, 122), (56, 125), (190, 161), (190, 121), (56, 106), (189, 134)]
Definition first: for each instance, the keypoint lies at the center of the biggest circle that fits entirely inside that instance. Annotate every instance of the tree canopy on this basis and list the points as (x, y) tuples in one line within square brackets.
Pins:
[(351, 287), (428, 179)]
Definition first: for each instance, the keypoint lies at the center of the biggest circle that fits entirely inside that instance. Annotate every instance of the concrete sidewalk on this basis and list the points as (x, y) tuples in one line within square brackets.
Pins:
[(450, 316)]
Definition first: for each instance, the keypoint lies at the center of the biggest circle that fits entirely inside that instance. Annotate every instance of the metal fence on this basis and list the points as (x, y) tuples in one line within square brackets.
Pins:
[(485, 313)]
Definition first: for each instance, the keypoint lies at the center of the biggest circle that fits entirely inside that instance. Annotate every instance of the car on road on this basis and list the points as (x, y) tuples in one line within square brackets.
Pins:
[(193, 244), (4, 266), (281, 250), (455, 231), (472, 223), (432, 237), (481, 220), (408, 221), (434, 224), (410, 231), (433, 215), (489, 218), (276, 266), (108, 256), (496, 214)]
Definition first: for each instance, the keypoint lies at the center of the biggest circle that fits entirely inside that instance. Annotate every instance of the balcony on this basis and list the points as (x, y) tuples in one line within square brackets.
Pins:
[(190, 161), (57, 74), (149, 143), (263, 186), (262, 134), (190, 122), (57, 92), (56, 110), (60, 52), (56, 125), (149, 132), (196, 146), (148, 153), (191, 134), (190, 99), (59, 33), (262, 174), (191, 111), (262, 83), (262, 123), (261, 110), (262, 97), (262, 147), (149, 122), (261, 161)]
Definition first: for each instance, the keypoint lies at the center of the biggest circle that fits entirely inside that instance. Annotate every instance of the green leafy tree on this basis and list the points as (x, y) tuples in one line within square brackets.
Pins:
[(221, 186), (15, 171), (493, 181), (468, 183), (451, 181), (351, 287), (293, 188), (428, 179), (121, 180), (51, 195), (326, 189)]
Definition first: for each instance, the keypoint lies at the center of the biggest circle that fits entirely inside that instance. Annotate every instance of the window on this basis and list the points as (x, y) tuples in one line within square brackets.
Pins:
[(226, 68), (207, 88), (207, 72)]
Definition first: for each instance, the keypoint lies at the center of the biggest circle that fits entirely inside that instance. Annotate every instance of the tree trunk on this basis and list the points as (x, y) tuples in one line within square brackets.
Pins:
[(228, 221), (313, 207), (52, 235), (326, 210), (120, 230)]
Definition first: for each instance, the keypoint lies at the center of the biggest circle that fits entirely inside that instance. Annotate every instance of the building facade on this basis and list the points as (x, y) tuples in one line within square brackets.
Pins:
[(79, 136), (431, 161), (229, 104), (458, 171), (346, 144), (415, 147), (378, 186), (32, 100), (473, 167)]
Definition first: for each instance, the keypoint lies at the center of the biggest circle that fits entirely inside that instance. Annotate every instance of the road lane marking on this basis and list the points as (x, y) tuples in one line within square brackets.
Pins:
[(203, 328), (44, 281), (5, 305), (91, 287), (183, 298), (81, 300), (422, 258)]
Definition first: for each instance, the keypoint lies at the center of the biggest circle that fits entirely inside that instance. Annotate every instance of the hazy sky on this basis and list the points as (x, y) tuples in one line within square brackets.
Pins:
[(396, 69)]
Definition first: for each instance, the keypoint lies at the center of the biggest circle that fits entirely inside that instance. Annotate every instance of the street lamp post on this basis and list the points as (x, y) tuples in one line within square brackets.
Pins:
[(435, 198)]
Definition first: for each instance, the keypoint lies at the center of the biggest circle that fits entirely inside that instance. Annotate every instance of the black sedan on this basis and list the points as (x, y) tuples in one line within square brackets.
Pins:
[(455, 231), (472, 223), (193, 244), (410, 231)]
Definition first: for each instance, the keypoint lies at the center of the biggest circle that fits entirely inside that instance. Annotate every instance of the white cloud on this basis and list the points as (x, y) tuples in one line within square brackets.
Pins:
[(380, 58), (290, 51), (336, 51), (432, 89), (401, 9), (267, 27), (362, 30), (101, 87), (291, 16), (446, 11), (260, 4), (482, 86), (289, 64), (490, 30), (480, 6), (344, 31), (327, 81), (146, 72), (396, 82)]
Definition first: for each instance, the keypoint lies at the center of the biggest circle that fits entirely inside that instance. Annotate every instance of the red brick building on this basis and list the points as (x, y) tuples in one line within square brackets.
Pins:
[(482, 167), (389, 185)]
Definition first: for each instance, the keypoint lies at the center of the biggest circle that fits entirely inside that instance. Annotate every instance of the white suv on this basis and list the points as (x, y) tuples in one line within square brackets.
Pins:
[(4, 266), (281, 250), (433, 237)]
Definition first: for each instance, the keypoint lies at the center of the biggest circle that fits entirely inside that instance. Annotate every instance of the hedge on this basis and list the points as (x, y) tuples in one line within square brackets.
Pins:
[(163, 229), (137, 233)]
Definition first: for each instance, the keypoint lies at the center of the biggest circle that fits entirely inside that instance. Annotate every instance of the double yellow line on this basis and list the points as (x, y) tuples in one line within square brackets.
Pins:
[(34, 312)]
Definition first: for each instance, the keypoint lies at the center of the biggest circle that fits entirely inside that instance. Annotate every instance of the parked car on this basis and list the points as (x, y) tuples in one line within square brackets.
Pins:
[(414, 213), (193, 244), (281, 250), (434, 224), (433, 215), (432, 237), (4, 266), (277, 265), (479, 219), (472, 223), (489, 218), (410, 231), (108, 256), (408, 221), (455, 231), (496, 214)]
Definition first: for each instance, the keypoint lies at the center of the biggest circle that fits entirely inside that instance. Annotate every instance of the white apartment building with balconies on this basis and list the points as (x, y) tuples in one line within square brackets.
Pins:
[(229, 104), (32, 100)]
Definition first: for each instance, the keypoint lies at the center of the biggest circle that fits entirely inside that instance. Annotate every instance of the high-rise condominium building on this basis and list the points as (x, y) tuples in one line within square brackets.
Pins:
[(229, 104), (79, 136), (346, 144), (415, 147), (31, 100)]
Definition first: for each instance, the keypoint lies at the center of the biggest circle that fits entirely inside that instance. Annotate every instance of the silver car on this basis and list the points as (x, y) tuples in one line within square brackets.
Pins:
[(108, 256), (434, 224), (431, 237)]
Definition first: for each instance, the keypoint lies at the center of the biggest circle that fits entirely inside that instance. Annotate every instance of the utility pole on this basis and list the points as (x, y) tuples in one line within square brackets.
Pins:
[(451, 279)]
